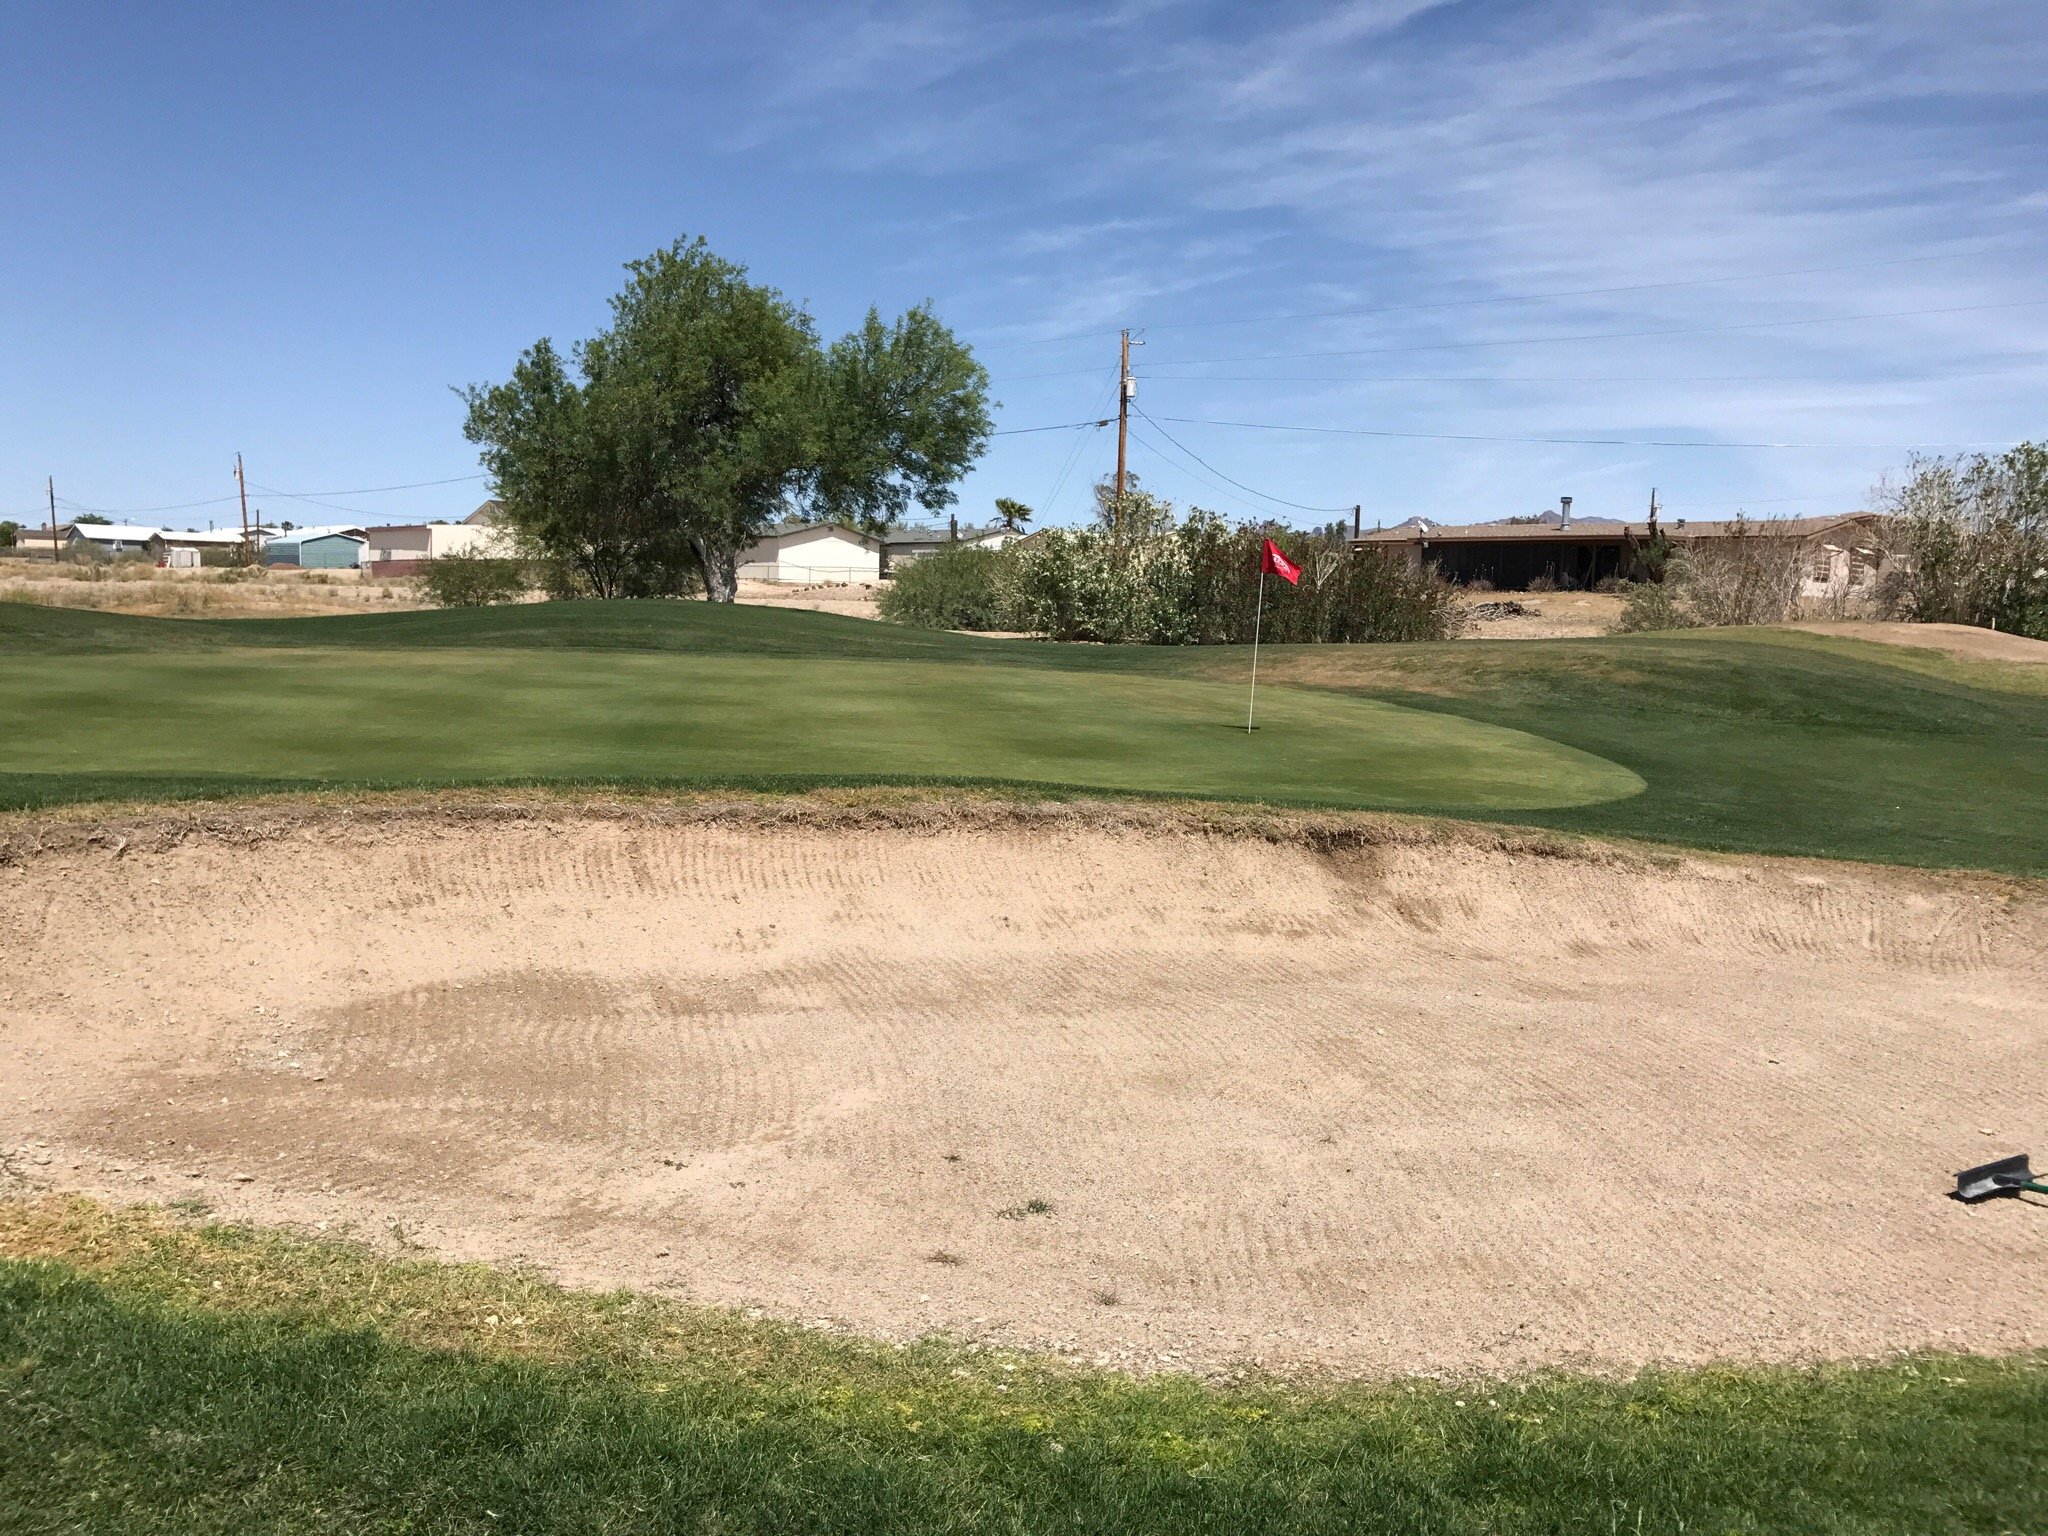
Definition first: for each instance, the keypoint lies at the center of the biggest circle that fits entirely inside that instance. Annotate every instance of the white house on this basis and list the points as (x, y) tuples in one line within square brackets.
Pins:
[(211, 538), (115, 538), (476, 534), (907, 542), (813, 553)]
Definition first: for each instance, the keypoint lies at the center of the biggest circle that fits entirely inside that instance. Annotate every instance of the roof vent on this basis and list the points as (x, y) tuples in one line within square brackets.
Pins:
[(1564, 511)]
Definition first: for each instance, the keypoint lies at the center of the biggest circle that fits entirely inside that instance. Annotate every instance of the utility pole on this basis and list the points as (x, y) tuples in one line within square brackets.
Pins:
[(241, 485), (1357, 517), (52, 485), (1124, 391)]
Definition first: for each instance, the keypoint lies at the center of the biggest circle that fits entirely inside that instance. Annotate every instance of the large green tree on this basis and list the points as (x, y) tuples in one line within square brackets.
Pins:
[(707, 410), (573, 493), (904, 415)]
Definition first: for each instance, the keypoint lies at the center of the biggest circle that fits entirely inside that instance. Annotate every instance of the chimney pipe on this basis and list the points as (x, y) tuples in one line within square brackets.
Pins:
[(1564, 511), (1357, 517)]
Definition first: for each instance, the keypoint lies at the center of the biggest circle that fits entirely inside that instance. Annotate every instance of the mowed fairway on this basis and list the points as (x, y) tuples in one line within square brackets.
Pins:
[(450, 716)]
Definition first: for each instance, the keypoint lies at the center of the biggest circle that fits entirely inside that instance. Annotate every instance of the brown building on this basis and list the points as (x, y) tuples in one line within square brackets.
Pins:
[(1841, 553)]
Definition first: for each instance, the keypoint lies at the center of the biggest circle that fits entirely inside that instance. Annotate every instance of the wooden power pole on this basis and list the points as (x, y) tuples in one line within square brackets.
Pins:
[(51, 483), (1124, 391), (241, 485)]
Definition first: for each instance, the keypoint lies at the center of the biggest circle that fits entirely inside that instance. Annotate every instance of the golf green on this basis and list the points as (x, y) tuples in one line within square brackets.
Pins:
[(425, 716)]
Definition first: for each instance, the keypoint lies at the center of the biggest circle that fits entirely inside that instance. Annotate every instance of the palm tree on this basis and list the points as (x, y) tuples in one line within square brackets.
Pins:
[(1014, 514)]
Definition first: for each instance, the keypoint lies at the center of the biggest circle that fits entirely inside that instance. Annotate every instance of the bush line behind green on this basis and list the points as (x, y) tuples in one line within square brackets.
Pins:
[(1195, 583)]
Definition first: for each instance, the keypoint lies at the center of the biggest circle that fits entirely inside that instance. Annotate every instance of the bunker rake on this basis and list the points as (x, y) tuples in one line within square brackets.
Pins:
[(2007, 1176)]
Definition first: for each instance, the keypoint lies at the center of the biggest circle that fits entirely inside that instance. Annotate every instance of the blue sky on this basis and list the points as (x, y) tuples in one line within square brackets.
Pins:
[(290, 230)]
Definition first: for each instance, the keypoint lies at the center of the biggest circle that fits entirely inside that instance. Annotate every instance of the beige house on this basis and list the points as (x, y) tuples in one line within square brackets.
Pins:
[(476, 534), (810, 553)]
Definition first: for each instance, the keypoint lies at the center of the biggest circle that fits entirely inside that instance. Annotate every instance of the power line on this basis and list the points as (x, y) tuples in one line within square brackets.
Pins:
[(1751, 501), (1080, 444), (1537, 341), (312, 496), (1607, 378), (1263, 495), (1586, 442), (1196, 475), (1065, 426), (375, 490), (1523, 298), (182, 506), (1214, 484), (311, 501)]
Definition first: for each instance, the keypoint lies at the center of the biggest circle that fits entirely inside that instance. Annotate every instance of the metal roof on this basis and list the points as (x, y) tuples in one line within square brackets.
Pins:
[(115, 533), (211, 535), (325, 531), (1589, 533)]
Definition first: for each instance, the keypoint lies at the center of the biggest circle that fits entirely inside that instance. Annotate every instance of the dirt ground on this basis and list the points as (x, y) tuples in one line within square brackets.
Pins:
[(139, 588), (1548, 616), (857, 600), (1956, 639), (1356, 1096)]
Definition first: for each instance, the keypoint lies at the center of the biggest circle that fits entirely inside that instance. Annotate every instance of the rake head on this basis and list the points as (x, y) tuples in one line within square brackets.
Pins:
[(2007, 1176)]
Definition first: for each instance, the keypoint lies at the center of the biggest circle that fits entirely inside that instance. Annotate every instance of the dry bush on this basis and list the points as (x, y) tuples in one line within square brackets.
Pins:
[(1750, 578), (141, 588)]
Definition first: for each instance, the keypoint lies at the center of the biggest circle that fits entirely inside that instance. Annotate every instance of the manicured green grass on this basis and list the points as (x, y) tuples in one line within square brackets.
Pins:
[(1756, 740), (165, 1378), (1762, 741), (457, 716)]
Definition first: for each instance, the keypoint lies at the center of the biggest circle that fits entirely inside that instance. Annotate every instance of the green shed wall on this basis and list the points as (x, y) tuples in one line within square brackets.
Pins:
[(329, 553)]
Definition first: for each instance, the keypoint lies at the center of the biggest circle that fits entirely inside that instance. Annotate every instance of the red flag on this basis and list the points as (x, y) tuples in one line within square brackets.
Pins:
[(1270, 559)]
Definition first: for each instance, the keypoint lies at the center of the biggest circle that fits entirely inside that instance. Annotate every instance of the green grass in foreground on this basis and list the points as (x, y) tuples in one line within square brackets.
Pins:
[(157, 1377), (1759, 741)]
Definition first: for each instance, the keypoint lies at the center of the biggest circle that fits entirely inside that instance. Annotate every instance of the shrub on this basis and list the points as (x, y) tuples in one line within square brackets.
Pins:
[(1197, 585), (1647, 605), (956, 588), (474, 581), (1752, 577), (1971, 542)]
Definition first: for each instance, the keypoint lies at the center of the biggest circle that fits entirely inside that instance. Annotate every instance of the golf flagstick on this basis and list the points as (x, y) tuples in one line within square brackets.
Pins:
[(1270, 559), (1258, 614)]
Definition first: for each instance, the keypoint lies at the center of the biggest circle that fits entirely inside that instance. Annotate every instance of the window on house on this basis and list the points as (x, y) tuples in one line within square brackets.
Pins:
[(1823, 567), (1860, 562)]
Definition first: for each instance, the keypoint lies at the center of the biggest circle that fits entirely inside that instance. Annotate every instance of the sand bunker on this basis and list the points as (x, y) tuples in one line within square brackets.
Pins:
[(1410, 1101)]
